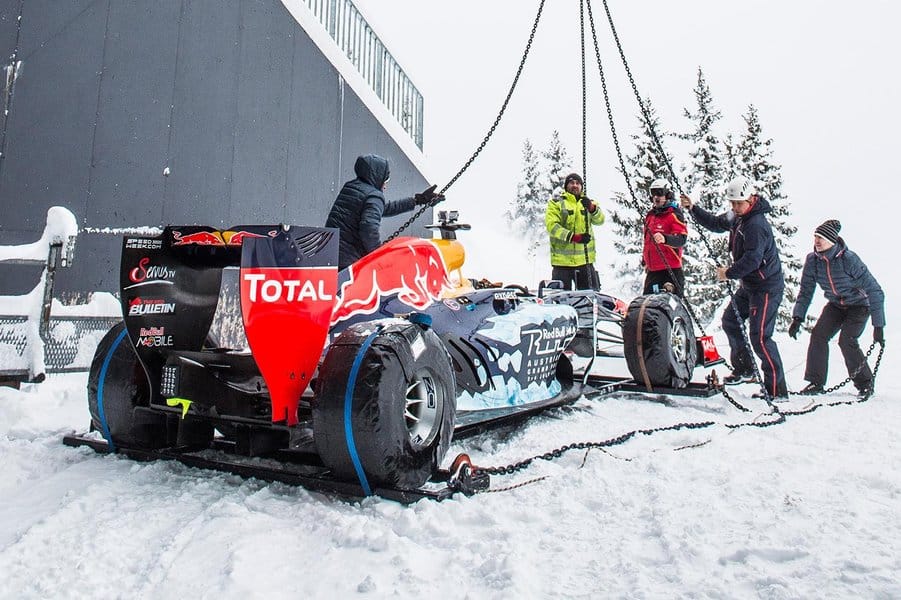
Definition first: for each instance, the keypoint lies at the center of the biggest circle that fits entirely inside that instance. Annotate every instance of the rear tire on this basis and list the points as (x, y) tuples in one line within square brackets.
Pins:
[(389, 421), (117, 386), (659, 342)]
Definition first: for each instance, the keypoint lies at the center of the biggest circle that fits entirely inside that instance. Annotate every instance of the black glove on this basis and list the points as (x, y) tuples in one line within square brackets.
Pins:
[(794, 328), (587, 203), (581, 238), (879, 335), (427, 196)]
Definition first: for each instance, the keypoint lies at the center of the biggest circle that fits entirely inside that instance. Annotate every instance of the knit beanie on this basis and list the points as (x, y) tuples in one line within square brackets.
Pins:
[(829, 230), (572, 177)]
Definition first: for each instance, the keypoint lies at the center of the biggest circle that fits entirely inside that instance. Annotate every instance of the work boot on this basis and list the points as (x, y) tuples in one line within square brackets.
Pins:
[(738, 378), (865, 392), (813, 389)]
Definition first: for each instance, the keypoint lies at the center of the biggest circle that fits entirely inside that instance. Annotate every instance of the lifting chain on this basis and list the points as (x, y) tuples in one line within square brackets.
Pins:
[(672, 172), (488, 135), (851, 377), (616, 145), (622, 439), (558, 452), (584, 96)]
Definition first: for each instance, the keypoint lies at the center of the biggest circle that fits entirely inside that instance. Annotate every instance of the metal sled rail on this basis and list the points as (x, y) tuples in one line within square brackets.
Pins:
[(304, 469), (310, 476)]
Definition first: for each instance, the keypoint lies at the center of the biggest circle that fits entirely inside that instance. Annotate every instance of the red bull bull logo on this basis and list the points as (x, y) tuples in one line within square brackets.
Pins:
[(198, 238), (215, 238), (412, 268), (236, 238)]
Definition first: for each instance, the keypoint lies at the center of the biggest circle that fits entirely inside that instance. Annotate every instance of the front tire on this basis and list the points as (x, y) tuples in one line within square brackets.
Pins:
[(384, 411), (659, 342)]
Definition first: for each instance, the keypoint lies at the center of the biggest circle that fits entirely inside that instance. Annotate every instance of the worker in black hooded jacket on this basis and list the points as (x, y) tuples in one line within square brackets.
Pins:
[(360, 206), (756, 264)]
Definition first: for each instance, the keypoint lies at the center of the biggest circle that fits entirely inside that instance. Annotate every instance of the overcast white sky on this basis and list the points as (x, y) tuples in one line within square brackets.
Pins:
[(824, 76)]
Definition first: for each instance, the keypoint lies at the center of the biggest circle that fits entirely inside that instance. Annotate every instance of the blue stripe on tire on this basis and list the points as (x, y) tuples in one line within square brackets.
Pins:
[(348, 402), (104, 426)]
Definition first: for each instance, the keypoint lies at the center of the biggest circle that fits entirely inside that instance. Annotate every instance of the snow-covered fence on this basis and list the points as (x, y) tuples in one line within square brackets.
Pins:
[(32, 342)]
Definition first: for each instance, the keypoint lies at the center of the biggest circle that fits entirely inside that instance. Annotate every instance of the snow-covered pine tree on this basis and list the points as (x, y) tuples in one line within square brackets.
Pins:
[(525, 214), (559, 165), (754, 157), (705, 179), (627, 216)]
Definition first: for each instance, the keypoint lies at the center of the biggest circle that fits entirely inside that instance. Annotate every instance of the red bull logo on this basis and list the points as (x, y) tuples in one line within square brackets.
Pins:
[(198, 238), (216, 238), (412, 268), (236, 238)]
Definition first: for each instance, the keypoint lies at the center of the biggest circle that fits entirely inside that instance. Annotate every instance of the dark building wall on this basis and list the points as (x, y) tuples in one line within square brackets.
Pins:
[(233, 100)]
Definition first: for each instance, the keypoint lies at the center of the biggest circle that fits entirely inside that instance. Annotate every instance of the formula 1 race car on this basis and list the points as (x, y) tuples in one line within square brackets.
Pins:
[(364, 375)]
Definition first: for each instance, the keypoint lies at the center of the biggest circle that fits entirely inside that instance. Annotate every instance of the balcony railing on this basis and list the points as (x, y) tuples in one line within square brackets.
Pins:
[(368, 54)]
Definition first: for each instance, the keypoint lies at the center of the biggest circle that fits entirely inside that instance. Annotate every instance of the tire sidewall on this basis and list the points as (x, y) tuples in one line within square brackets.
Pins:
[(116, 386), (380, 438), (661, 365)]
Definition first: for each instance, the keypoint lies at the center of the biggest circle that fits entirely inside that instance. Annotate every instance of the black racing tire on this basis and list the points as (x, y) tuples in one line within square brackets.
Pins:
[(117, 385), (659, 341), (394, 382)]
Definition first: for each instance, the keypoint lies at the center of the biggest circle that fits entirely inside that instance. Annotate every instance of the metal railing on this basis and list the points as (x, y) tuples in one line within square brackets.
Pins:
[(371, 58)]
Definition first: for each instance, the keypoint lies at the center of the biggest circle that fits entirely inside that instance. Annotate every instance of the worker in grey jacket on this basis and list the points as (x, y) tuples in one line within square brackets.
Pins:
[(852, 295)]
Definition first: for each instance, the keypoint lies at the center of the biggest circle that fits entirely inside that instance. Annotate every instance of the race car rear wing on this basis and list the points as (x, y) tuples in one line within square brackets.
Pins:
[(170, 287)]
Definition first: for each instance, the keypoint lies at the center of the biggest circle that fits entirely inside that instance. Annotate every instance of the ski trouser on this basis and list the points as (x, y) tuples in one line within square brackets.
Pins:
[(760, 309), (654, 281), (851, 321), (583, 277)]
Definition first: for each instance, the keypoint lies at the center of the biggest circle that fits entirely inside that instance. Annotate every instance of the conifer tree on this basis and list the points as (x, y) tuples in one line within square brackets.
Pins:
[(754, 160), (627, 218), (525, 214), (559, 164), (705, 179)]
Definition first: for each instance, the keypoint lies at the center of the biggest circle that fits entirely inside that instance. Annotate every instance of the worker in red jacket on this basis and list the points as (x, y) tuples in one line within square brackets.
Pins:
[(664, 236)]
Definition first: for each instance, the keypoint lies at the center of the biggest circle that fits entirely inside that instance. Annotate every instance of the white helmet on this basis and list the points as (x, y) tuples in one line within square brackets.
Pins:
[(739, 188), (661, 184)]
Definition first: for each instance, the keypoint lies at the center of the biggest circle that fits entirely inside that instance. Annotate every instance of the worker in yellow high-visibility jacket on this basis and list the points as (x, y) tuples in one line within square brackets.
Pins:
[(569, 220)]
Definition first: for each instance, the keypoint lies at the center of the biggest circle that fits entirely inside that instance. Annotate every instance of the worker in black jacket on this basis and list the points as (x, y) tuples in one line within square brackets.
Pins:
[(360, 206), (756, 264)]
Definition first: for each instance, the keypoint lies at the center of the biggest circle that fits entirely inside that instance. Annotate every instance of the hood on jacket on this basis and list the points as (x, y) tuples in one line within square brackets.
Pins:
[(761, 206), (373, 169)]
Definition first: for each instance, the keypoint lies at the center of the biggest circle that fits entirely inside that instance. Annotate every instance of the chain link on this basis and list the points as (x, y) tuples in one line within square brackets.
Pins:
[(621, 439), (558, 452), (488, 135), (672, 172), (851, 377), (584, 96)]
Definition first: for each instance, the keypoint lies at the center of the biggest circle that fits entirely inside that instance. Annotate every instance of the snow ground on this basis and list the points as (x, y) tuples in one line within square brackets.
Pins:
[(806, 509)]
